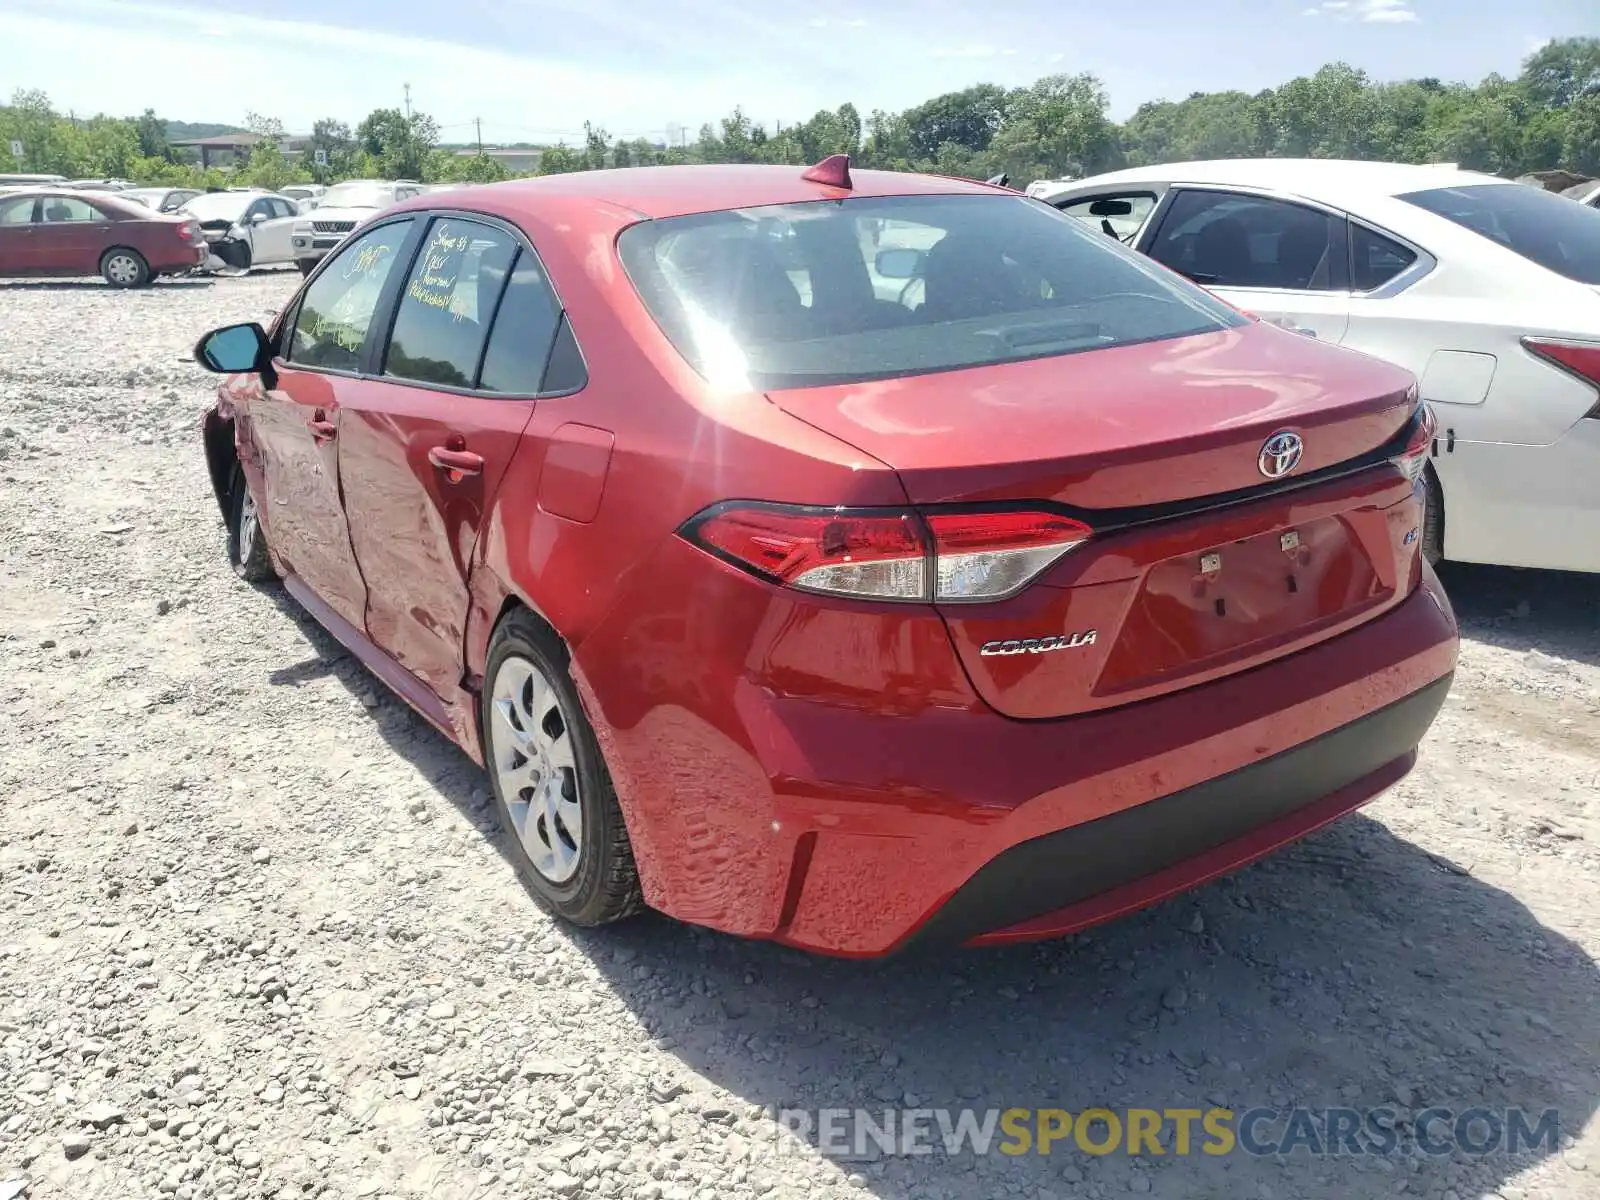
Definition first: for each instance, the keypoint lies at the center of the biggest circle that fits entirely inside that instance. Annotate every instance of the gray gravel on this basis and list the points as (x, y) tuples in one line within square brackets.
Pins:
[(257, 939)]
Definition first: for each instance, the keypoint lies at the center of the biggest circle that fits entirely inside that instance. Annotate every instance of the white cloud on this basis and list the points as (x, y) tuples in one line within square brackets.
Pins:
[(967, 51), (1055, 58), (1386, 12), (1368, 12), (855, 23)]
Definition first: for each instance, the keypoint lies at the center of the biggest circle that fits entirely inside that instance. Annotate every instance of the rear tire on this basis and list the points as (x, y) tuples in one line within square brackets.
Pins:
[(1432, 518), (551, 789), (124, 268), (247, 543)]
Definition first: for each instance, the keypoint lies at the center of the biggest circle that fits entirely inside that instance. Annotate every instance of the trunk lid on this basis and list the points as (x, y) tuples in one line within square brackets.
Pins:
[(1200, 564)]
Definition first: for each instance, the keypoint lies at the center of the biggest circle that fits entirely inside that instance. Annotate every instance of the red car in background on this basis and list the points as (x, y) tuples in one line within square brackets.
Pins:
[(855, 562), (72, 233)]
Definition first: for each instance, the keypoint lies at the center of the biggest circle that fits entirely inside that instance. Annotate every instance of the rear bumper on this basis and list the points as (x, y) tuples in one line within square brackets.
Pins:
[(1088, 873), (870, 821)]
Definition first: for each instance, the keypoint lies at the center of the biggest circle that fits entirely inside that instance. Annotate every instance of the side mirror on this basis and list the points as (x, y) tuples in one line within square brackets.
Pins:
[(258, 219), (899, 262), (234, 349)]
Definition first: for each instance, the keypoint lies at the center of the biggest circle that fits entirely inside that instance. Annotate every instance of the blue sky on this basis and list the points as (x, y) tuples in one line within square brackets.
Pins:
[(537, 69)]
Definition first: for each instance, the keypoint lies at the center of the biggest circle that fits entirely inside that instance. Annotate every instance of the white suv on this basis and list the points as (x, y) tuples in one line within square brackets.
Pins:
[(340, 209)]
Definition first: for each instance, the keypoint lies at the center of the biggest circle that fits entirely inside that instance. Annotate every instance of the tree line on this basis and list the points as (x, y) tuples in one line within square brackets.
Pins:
[(1546, 117)]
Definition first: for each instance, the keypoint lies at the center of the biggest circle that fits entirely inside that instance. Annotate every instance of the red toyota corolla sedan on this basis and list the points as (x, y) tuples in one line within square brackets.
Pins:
[(856, 562)]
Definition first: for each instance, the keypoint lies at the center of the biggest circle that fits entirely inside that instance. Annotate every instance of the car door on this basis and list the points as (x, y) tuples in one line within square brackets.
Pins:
[(427, 439), (17, 235), (294, 425), (1284, 260), (274, 235), (70, 234)]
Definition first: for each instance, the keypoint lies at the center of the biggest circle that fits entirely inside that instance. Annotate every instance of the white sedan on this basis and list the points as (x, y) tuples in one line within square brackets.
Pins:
[(1488, 290), (246, 229)]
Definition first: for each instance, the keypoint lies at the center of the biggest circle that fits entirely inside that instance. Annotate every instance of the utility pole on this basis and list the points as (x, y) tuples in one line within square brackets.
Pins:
[(408, 101), (478, 121)]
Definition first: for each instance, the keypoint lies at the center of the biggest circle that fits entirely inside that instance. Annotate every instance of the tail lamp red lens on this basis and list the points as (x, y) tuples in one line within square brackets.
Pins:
[(1414, 457), (889, 554), (1575, 358)]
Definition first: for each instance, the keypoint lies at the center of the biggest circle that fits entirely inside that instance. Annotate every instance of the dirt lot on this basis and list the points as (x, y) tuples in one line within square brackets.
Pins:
[(256, 939)]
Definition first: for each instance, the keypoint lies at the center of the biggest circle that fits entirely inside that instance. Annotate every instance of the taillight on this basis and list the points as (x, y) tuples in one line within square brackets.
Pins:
[(1414, 457), (1575, 358), (189, 231), (888, 554)]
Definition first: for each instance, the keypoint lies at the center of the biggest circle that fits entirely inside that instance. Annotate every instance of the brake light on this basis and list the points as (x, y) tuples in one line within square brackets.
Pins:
[(189, 231), (1575, 358), (888, 554), (1418, 445)]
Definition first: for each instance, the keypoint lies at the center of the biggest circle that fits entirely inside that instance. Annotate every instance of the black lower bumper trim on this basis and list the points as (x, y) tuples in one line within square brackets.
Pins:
[(1074, 864)]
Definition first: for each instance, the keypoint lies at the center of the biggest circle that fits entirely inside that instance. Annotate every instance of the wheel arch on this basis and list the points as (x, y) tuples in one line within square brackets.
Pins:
[(222, 454)]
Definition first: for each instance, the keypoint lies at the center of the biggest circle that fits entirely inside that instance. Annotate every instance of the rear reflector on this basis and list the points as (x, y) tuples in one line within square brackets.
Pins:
[(1419, 445), (1575, 358), (888, 554)]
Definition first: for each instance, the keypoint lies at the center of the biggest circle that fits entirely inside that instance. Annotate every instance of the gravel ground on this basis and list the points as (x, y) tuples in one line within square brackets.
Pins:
[(257, 939)]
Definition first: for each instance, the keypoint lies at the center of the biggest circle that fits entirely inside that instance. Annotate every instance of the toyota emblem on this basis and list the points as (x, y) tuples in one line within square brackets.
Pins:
[(1280, 454)]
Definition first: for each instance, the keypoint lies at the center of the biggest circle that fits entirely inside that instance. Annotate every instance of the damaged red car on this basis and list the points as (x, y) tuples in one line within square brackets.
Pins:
[(856, 560)]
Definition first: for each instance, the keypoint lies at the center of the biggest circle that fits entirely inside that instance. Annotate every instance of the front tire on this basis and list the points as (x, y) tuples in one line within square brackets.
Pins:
[(247, 544), (124, 268), (552, 791)]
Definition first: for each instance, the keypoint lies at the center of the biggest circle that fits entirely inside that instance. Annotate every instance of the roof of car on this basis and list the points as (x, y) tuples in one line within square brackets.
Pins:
[(1323, 177), (681, 190)]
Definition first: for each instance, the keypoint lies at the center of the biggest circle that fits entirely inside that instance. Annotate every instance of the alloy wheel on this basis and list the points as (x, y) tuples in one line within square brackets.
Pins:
[(532, 756)]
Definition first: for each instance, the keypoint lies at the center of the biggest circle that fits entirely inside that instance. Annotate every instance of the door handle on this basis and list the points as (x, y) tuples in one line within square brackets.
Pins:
[(457, 462), (323, 430)]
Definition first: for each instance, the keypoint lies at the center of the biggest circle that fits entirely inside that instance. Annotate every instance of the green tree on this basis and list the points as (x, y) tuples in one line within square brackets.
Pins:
[(397, 145), (1056, 127), (1560, 72), (560, 159), (1580, 149), (970, 118)]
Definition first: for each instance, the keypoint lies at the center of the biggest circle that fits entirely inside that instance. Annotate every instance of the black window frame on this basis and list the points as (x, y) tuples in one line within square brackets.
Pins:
[(1339, 253), (375, 347)]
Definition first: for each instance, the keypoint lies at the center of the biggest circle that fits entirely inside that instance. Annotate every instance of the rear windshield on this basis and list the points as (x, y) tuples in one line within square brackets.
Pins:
[(1547, 229), (828, 292)]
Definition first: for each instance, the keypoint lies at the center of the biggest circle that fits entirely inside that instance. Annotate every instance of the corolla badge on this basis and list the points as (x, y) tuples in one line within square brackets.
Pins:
[(1280, 454), (1044, 645)]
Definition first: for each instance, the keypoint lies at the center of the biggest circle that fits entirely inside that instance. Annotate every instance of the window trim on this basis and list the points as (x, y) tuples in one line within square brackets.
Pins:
[(373, 366), (1340, 234), (1422, 266), (407, 253)]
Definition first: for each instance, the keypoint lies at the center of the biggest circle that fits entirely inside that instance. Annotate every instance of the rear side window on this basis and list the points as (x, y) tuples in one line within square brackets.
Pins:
[(1375, 259), (523, 329), (443, 317), (16, 212), (828, 292), (337, 308), (1225, 239), (1542, 227)]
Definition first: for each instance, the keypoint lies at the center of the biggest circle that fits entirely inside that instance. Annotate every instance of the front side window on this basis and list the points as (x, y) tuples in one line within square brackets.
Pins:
[(448, 302), (1225, 239), (337, 308), (824, 292), (1119, 216), (1538, 225), (65, 209)]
